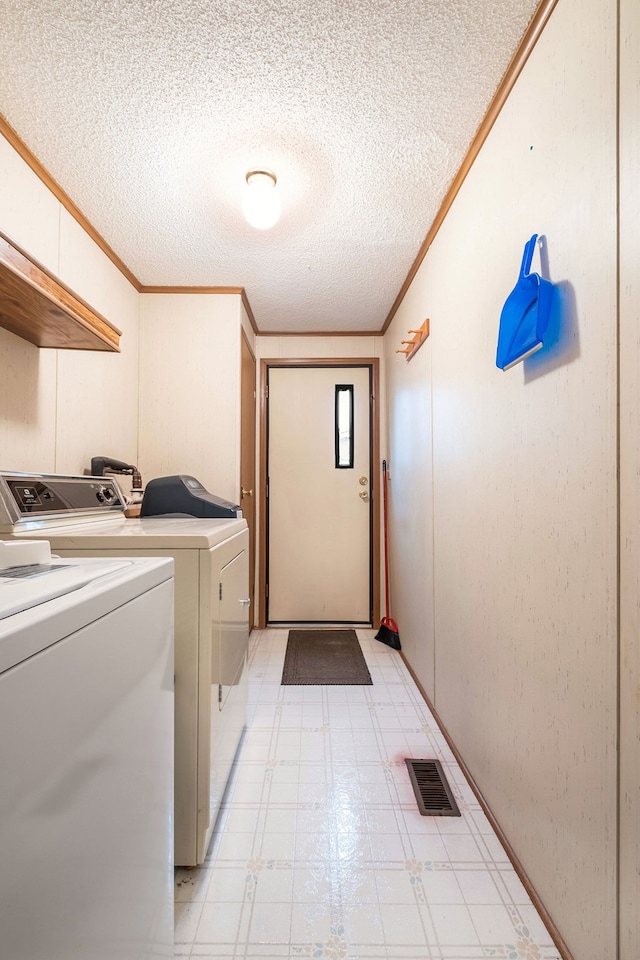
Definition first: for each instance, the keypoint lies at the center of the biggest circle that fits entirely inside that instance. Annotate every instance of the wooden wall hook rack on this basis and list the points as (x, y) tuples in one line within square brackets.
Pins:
[(412, 346)]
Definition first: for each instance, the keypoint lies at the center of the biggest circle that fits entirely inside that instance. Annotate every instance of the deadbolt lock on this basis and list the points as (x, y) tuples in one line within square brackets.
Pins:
[(363, 481)]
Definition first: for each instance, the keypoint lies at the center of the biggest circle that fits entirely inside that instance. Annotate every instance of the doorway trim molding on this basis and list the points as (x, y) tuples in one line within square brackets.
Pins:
[(375, 484), (248, 423)]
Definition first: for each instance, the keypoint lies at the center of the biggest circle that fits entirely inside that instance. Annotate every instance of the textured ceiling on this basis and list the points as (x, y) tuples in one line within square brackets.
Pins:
[(149, 113)]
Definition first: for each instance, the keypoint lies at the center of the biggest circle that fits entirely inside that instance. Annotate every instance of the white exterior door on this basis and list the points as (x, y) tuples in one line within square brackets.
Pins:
[(319, 501)]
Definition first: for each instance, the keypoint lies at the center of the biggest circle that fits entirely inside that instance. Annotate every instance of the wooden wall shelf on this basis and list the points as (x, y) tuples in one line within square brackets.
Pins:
[(411, 347), (38, 307)]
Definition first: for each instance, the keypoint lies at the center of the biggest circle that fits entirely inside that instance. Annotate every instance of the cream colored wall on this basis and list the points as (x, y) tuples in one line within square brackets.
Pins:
[(519, 645), (410, 493), (58, 407), (30, 215), (97, 392), (190, 388), (305, 348), (629, 476), (309, 348)]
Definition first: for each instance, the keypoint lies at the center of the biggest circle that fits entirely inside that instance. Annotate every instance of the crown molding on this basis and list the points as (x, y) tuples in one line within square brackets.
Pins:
[(215, 290), (32, 161), (518, 61), (320, 333), (513, 71), (238, 291), (247, 306)]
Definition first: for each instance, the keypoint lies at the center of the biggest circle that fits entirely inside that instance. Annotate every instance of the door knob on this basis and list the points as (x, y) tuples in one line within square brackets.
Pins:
[(246, 493), (363, 495)]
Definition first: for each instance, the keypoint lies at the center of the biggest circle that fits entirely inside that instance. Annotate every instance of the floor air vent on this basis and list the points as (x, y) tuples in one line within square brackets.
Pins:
[(432, 791)]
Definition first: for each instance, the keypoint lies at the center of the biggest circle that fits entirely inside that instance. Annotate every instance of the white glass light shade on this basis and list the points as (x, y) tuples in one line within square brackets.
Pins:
[(261, 202)]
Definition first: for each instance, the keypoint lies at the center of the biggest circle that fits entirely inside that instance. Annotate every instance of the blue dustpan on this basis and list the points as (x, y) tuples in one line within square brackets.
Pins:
[(525, 314)]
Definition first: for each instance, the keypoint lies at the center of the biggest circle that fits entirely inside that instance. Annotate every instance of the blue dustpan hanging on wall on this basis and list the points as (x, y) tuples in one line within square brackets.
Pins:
[(525, 314)]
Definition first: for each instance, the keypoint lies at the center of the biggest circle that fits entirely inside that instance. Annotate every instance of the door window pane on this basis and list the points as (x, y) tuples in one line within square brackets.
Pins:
[(344, 426)]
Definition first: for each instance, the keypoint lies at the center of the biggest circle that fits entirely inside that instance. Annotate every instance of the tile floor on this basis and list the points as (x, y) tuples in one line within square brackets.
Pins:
[(320, 851)]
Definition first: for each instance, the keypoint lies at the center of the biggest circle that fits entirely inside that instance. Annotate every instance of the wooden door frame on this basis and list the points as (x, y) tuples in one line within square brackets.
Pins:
[(244, 339), (373, 363)]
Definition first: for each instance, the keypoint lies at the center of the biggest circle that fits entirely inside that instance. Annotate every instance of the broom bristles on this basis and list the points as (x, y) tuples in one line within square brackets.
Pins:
[(388, 633)]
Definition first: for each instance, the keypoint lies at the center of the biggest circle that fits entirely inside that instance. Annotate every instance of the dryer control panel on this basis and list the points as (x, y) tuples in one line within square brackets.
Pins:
[(26, 497)]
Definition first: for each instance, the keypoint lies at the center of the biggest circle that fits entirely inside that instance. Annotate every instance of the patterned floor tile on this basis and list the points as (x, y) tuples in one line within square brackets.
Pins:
[(320, 851)]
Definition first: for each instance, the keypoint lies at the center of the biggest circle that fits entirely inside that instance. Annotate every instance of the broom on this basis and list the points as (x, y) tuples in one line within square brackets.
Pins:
[(388, 632)]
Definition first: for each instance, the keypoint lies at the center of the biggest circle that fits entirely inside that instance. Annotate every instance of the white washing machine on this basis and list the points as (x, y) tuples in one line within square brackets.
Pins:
[(86, 758), (84, 517)]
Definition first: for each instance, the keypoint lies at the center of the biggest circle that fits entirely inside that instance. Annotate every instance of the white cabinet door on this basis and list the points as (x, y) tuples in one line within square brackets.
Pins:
[(234, 624), (229, 683)]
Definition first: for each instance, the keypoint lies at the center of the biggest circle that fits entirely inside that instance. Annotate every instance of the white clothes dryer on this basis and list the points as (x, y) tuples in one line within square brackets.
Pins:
[(84, 517)]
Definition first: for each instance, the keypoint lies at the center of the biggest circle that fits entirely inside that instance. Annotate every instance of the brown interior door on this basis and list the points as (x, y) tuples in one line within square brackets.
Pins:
[(248, 456)]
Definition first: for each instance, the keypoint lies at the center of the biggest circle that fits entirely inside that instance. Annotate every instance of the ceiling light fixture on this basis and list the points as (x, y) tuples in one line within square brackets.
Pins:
[(261, 202)]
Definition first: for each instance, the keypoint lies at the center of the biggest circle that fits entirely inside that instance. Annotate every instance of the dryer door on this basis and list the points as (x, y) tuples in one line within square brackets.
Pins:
[(234, 625), (229, 647)]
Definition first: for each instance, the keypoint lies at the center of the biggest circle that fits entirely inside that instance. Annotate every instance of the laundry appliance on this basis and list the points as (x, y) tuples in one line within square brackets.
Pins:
[(86, 756), (83, 516)]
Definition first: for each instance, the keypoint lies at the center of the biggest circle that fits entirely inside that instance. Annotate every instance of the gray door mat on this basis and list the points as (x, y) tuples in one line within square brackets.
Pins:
[(325, 657)]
